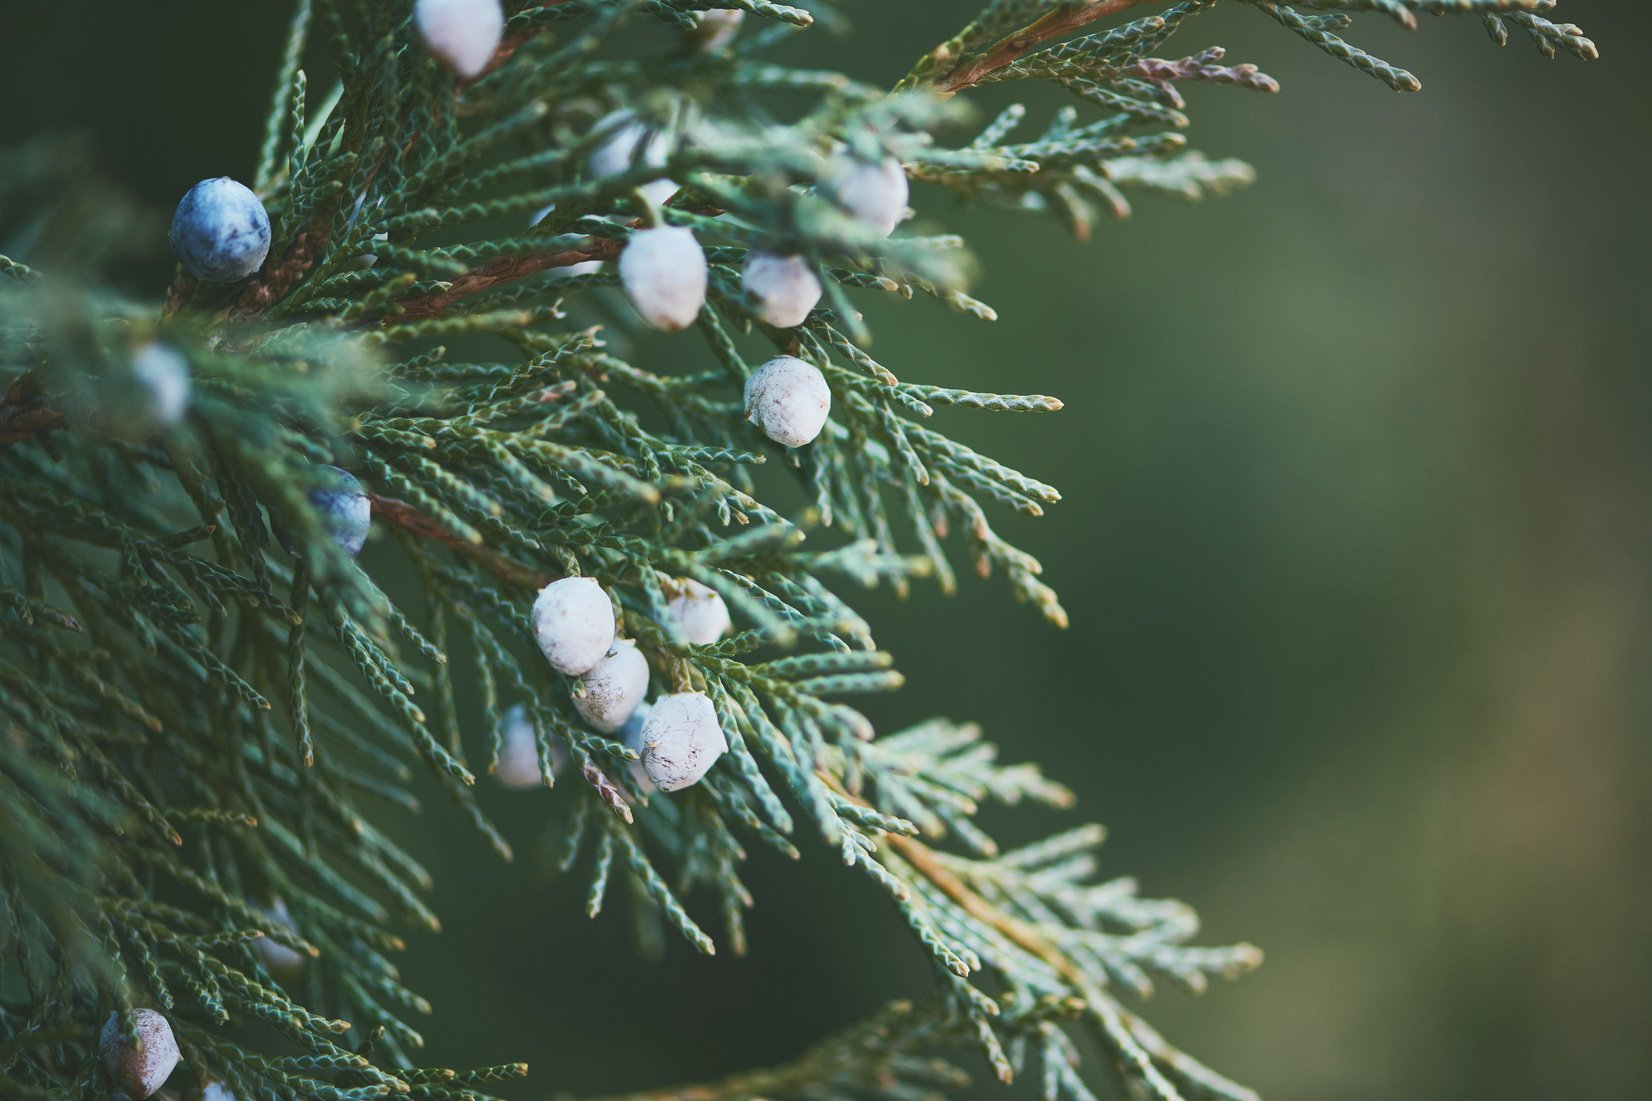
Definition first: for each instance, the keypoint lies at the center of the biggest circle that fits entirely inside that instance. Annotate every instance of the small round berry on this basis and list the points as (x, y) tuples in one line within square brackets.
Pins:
[(217, 1091), (714, 30), (875, 192), (663, 271), (461, 34), (280, 959), (152, 395), (138, 1070), (518, 766), (785, 288), (698, 613), (165, 376), (614, 687), (220, 231), (342, 507), (573, 622), (681, 740), (788, 400), (630, 143)]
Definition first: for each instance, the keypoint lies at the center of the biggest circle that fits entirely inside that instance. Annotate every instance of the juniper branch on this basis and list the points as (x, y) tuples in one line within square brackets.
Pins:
[(194, 720)]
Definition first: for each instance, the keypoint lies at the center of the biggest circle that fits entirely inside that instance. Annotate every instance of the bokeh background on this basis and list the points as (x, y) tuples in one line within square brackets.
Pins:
[(1356, 543)]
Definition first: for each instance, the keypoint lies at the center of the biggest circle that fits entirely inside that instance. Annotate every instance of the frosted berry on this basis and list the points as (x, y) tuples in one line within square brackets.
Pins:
[(681, 740), (220, 231), (788, 400), (698, 613), (631, 143), (518, 766), (154, 394), (573, 622), (614, 687), (277, 956), (785, 288), (875, 192), (461, 34), (217, 1091), (342, 507), (663, 271), (714, 30), (138, 1070)]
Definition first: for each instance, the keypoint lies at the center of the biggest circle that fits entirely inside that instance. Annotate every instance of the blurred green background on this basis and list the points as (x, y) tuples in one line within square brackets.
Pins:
[(1356, 546)]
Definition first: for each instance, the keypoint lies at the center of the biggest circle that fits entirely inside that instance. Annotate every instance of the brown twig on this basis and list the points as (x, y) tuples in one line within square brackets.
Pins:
[(503, 270), (417, 524), (25, 412), (967, 74), (506, 269)]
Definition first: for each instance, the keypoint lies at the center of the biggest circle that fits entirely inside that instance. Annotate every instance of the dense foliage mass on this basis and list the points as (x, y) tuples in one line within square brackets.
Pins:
[(420, 323)]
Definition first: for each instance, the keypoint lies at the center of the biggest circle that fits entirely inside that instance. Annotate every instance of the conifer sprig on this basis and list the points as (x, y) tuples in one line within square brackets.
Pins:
[(203, 697)]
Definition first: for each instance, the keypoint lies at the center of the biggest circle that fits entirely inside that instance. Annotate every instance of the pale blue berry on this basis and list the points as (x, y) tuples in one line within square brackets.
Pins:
[(342, 507), (163, 375), (220, 231)]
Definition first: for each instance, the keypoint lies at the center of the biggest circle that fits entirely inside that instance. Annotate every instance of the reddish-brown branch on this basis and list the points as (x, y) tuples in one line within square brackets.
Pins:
[(1012, 48), (417, 524), (25, 412), (503, 270)]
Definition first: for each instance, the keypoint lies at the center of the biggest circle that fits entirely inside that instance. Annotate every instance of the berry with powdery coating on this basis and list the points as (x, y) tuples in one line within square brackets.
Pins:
[(573, 623), (785, 288), (138, 1069), (788, 400), (681, 740), (220, 231), (663, 271), (698, 613), (461, 34), (614, 687), (875, 192)]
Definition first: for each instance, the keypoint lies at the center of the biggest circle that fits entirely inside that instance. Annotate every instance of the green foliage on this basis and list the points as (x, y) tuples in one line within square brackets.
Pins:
[(194, 724)]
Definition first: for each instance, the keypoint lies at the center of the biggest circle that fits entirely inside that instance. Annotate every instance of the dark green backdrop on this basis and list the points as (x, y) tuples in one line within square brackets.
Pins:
[(1356, 544)]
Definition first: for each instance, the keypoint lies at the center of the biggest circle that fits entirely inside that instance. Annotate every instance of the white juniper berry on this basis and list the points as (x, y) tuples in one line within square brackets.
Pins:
[(461, 34), (698, 612), (681, 740), (875, 192), (573, 623), (518, 764), (788, 400), (152, 396), (138, 1069), (663, 271), (713, 30), (631, 142), (614, 686), (277, 956), (785, 288)]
